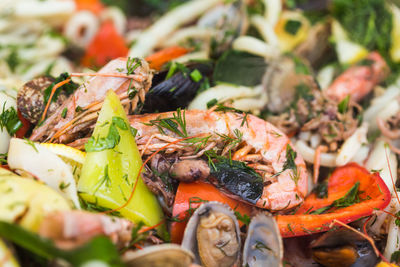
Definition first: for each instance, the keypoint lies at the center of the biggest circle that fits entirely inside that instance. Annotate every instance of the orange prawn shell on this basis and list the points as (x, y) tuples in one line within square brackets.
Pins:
[(265, 139)]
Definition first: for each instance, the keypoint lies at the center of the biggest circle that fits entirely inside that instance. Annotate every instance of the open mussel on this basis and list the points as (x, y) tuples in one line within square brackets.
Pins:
[(213, 235), (343, 248), (263, 246), (165, 255), (170, 93)]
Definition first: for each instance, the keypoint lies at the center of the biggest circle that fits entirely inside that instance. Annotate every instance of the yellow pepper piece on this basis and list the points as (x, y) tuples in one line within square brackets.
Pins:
[(109, 174)]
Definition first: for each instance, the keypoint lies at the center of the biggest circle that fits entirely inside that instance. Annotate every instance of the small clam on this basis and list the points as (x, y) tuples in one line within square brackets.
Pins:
[(165, 255), (281, 81), (263, 246), (30, 99), (213, 235)]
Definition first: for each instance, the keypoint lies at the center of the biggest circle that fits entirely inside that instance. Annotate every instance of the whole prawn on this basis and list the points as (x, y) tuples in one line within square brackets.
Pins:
[(359, 80), (258, 143), (81, 108)]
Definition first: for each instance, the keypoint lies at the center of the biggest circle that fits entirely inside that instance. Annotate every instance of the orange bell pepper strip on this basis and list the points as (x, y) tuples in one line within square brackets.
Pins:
[(105, 46), (94, 6), (372, 194), (158, 59), (190, 196)]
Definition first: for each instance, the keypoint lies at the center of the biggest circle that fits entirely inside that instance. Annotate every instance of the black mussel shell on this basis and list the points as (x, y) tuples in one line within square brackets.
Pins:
[(236, 179), (177, 91)]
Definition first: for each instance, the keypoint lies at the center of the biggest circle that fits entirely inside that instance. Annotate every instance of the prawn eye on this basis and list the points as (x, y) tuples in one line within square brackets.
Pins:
[(238, 179)]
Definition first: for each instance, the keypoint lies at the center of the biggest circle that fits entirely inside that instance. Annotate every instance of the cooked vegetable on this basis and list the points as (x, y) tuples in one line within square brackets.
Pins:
[(158, 59), (26, 202), (27, 156), (112, 167), (105, 46), (353, 193)]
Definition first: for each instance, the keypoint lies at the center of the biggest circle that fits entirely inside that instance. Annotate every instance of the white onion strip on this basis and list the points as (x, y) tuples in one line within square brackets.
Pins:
[(168, 23)]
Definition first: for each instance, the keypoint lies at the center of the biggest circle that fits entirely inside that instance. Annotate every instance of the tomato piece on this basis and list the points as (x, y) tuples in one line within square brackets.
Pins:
[(26, 125), (191, 196), (94, 6), (105, 46), (372, 193)]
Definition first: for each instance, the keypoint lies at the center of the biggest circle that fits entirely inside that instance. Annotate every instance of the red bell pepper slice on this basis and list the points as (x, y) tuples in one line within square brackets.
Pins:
[(373, 194), (158, 59), (26, 125), (191, 195), (94, 6), (105, 46)]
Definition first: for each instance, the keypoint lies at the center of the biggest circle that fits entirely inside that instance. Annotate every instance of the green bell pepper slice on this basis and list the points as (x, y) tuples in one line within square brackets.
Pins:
[(111, 168)]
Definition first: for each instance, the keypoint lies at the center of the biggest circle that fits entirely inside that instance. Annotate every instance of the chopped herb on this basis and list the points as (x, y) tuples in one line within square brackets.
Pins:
[(199, 142), (132, 91), (175, 124), (322, 189), (290, 164), (63, 185), (95, 207), (344, 104), (64, 113), (397, 221), (260, 246), (175, 67), (3, 158), (133, 131), (13, 59), (9, 120), (68, 88), (111, 140), (136, 237), (347, 200), (245, 219), (212, 103), (132, 64), (78, 109), (105, 180), (196, 75), (204, 85), (32, 144), (292, 26), (290, 228), (119, 122), (350, 198)]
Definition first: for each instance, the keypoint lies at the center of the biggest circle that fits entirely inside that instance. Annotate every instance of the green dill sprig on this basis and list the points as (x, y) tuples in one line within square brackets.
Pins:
[(175, 124), (350, 198)]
